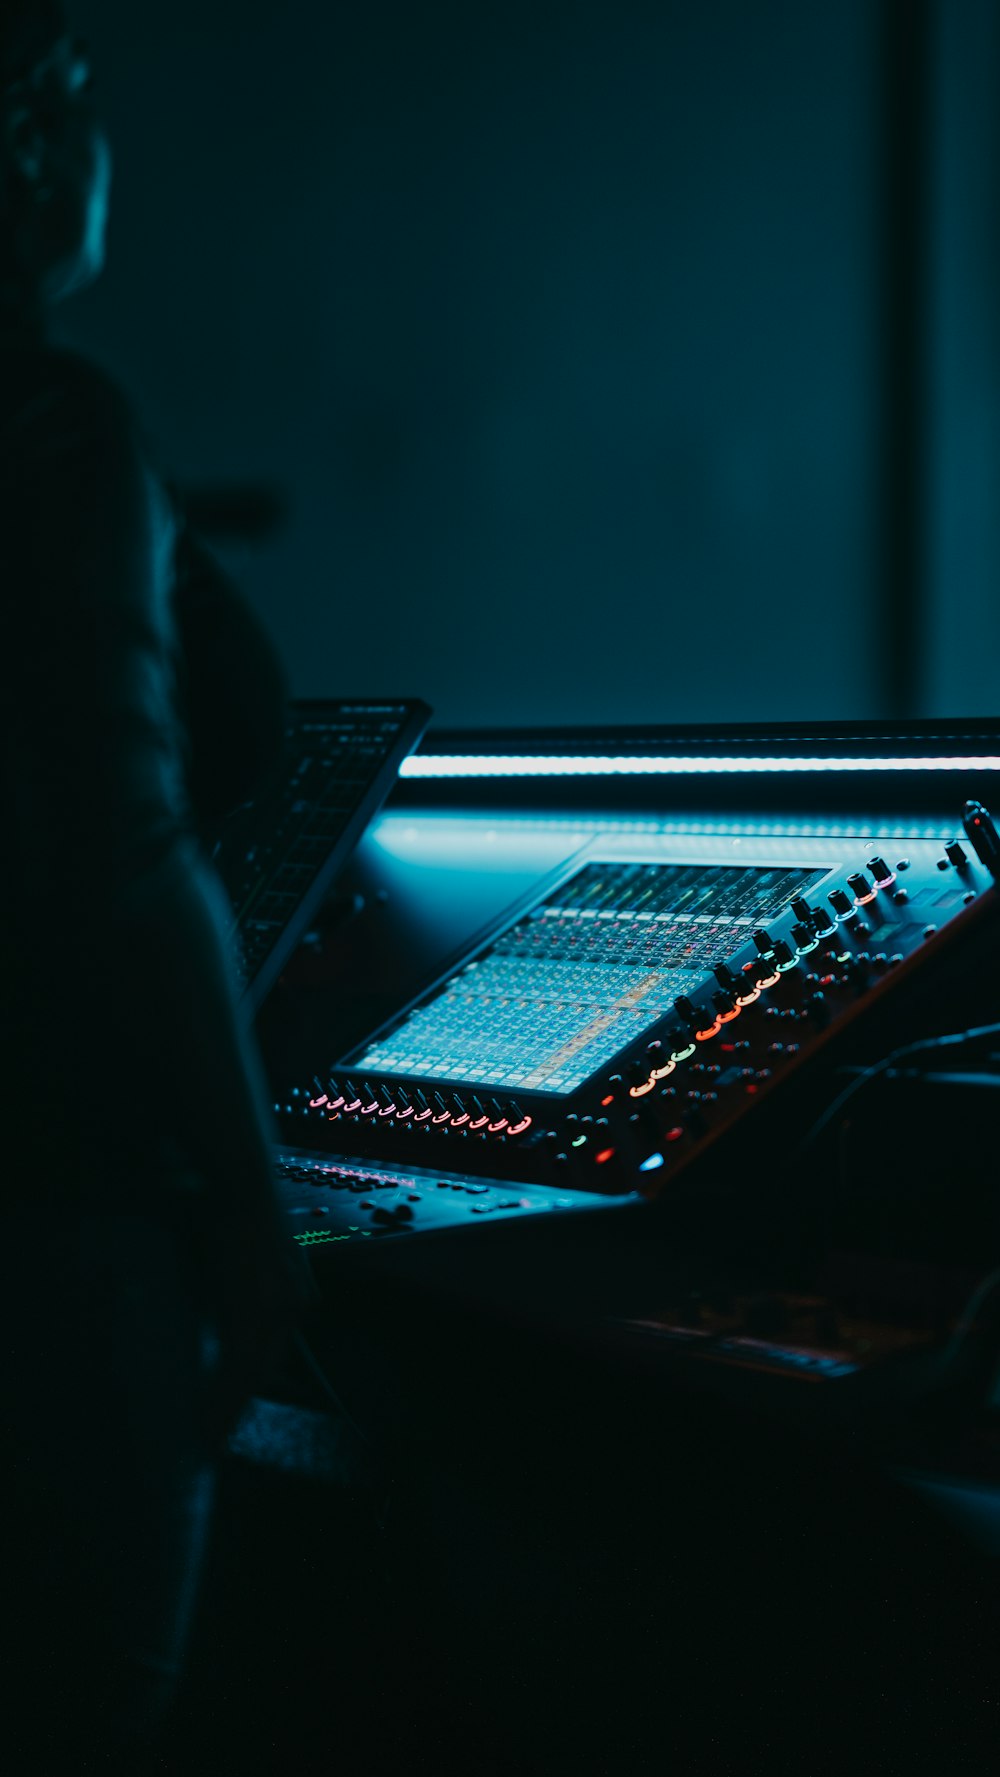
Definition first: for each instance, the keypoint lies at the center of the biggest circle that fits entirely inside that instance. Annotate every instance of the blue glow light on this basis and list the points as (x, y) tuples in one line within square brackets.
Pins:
[(434, 765), (651, 1163)]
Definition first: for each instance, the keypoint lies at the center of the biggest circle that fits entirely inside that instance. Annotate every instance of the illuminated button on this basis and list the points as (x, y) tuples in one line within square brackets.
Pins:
[(900, 895), (765, 980), (864, 891), (708, 1030), (641, 1091), (460, 1120), (519, 1128), (316, 1104), (661, 1072), (823, 925), (685, 1050), (747, 992), (805, 938), (604, 1156), (495, 1128), (478, 1123), (784, 958)]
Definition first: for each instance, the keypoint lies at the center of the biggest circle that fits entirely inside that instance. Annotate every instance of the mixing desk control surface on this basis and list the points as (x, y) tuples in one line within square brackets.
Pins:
[(334, 1202), (633, 1009), (279, 854)]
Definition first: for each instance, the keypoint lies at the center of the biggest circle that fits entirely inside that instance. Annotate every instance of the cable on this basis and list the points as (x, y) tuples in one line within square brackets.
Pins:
[(979, 1033)]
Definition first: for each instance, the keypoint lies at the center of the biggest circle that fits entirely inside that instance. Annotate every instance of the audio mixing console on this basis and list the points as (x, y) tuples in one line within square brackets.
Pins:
[(280, 853), (638, 1007)]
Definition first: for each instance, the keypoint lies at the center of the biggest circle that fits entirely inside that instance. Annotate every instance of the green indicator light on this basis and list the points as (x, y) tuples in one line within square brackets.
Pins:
[(580, 1141), (352, 1227)]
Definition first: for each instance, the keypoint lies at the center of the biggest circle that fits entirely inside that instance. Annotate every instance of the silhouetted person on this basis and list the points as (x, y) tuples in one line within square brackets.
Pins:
[(146, 1272)]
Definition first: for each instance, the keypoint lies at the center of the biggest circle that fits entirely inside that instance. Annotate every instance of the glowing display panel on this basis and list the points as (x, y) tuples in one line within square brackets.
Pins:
[(598, 961)]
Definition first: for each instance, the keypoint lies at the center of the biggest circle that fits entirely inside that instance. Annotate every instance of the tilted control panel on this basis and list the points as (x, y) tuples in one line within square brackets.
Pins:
[(334, 1203), (638, 1006)]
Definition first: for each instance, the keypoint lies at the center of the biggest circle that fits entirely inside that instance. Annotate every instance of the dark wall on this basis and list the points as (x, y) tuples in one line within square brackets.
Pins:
[(558, 322)]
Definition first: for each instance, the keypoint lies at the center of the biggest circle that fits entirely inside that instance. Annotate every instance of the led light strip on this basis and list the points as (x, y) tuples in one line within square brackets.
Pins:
[(427, 765)]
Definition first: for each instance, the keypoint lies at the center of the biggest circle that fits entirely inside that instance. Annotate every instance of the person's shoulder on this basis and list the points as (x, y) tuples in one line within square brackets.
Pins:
[(53, 386)]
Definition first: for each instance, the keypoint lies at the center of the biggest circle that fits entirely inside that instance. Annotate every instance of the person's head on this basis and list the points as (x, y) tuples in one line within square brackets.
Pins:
[(55, 166)]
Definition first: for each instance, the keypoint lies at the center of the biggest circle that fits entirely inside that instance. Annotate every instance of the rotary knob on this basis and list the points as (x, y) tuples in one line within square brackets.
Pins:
[(881, 873), (982, 836), (841, 903)]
